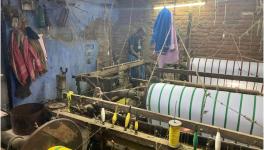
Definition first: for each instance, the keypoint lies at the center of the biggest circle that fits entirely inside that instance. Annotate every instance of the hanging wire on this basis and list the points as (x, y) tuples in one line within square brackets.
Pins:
[(208, 93), (215, 11), (225, 12), (156, 62), (128, 33)]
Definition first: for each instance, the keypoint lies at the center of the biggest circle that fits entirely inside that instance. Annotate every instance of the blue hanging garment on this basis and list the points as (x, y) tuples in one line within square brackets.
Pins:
[(160, 30)]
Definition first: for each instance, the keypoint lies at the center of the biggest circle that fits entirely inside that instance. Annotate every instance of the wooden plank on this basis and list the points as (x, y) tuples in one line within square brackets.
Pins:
[(212, 87), (211, 75), (225, 133), (140, 138), (112, 69)]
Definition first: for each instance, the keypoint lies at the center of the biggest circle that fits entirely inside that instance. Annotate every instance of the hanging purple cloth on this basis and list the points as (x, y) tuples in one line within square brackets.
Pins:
[(172, 56)]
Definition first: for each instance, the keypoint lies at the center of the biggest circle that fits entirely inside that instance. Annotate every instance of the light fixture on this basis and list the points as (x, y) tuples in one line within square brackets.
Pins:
[(181, 5)]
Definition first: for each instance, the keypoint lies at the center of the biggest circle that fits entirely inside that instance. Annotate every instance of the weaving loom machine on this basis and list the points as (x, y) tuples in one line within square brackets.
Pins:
[(155, 105)]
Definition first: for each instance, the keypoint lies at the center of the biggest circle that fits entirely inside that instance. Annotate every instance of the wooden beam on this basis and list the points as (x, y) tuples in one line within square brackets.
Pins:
[(225, 133), (212, 87), (211, 75), (118, 131), (112, 69)]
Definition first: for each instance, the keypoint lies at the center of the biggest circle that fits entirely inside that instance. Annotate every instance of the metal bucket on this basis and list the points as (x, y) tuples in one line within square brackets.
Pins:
[(27, 117)]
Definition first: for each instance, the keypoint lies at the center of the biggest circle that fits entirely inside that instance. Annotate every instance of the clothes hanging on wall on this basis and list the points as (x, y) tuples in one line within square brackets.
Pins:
[(38, 44), (172, 55), (164, 30), (17, 60), (40, 52), (160, 30), (27, 61)]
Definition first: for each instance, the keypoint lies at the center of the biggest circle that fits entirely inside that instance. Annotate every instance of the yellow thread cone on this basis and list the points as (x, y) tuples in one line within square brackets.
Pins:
[(174, 133), (114, 118), (127, 120), (59, 148), (136, 126)]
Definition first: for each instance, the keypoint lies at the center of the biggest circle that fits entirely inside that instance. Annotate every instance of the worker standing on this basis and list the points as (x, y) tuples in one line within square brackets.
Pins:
[(135, 47)]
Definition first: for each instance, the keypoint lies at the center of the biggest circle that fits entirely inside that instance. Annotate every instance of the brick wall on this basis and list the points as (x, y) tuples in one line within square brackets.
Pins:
[(213, 33), (140, 17)]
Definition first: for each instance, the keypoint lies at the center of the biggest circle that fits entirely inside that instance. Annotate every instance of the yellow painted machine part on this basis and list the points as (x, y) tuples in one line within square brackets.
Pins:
[(59, 148), (123, 101)]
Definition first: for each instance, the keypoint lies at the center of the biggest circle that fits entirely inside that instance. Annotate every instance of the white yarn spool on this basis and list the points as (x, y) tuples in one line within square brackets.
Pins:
[(218, 141), (102, 115), (228, 67), (186, 102)]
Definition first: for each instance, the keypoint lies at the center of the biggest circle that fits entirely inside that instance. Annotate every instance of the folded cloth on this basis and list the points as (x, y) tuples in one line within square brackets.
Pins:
[(171, 57)]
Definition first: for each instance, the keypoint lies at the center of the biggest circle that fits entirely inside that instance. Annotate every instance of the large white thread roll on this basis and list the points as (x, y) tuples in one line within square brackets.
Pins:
[(234, 111), (228, 67)]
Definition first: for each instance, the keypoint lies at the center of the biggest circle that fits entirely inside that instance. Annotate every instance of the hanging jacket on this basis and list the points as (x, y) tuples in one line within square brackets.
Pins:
[(160, 30), (32, 60), (17, 60), (172, 55), (24, 59)]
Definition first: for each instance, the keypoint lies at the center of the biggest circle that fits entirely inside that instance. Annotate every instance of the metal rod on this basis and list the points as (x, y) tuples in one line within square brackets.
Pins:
[(212, 75), (212, 87), (118, 131), (112, 69), (226, 133)]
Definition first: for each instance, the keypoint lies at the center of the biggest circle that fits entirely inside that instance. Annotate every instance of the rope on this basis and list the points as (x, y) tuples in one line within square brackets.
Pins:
[(215, 11), (225, 13), (156, 62), (128, 33), (208, 94)]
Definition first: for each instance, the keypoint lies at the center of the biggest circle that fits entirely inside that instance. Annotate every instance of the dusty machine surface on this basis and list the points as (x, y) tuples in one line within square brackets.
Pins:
[(114, 116), (57, 132), (108, 78), (53, 133), (155, 122)]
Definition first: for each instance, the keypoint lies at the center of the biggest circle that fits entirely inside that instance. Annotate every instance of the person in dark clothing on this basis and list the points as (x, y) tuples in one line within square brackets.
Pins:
[(135, 48)]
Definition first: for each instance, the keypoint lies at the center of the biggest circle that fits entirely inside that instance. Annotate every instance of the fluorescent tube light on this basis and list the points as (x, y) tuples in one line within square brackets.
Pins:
[(181, 5)]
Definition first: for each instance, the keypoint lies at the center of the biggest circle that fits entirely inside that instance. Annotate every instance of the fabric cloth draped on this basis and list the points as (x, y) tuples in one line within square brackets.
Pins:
[(164, 24), (160, 30), (172, 56), (24, 59)]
